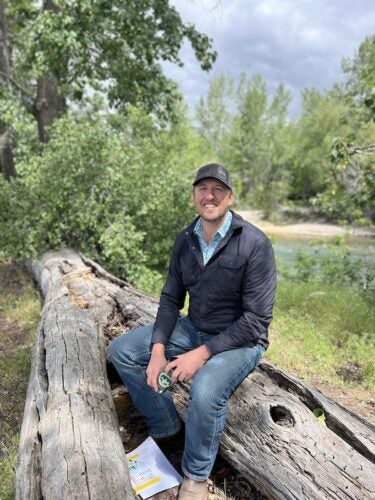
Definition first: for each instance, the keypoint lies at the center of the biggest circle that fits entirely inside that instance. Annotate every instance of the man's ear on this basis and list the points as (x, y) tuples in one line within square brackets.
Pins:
[(192, 196)]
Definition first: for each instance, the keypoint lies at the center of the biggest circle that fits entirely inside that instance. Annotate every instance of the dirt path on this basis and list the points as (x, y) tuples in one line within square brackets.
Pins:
[(304, 229)]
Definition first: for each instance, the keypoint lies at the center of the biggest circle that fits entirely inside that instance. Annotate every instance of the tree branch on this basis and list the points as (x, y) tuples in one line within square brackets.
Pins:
[(8, 79), (365, 150)]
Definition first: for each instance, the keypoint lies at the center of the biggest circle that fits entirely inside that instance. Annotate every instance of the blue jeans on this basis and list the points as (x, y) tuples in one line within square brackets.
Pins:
[(210, 390)]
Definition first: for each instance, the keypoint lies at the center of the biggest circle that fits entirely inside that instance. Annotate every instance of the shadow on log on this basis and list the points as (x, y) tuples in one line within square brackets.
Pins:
[(70, 446)]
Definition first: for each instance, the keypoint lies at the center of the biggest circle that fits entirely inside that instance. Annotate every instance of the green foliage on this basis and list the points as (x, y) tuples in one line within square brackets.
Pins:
[(250, 133), (276, 159), (321, 120), (274, 186), (214, 114), (350, 177), (118, 191), (332, 264), (114, 47), (8, 462), (360, 86), (22, 127), (327, 329), (351, 180)]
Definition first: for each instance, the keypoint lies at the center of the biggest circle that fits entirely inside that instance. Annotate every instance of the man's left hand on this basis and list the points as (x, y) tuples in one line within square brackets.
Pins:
[(188, 364)]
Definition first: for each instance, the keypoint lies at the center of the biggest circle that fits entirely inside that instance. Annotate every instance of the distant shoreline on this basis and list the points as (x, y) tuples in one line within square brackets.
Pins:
[(305, 229)]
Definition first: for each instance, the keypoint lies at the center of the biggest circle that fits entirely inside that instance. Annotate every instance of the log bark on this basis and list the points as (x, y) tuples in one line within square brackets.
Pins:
[(274, 439), (70, 444)]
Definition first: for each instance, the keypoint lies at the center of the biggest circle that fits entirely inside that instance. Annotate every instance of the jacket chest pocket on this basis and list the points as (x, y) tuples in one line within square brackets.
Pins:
[(230, 270)]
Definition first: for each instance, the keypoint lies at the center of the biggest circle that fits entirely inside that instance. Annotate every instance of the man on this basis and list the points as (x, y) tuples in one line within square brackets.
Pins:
[(227, 267)]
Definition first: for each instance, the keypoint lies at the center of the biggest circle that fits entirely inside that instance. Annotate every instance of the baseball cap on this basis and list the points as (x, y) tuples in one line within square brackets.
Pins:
[(215, 171)]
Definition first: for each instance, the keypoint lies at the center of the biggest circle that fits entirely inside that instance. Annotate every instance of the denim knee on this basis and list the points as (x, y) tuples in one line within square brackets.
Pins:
[(117, 351), (204, 399), (113, 349)]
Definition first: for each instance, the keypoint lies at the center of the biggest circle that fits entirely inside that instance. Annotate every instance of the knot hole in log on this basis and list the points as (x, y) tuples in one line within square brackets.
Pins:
[(282, 416)]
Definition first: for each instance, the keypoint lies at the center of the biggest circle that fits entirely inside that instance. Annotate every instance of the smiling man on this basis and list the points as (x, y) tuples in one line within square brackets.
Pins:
[(227, 267)]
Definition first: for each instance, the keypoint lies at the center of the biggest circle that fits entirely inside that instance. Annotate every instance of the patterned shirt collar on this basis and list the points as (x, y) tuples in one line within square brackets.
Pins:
[(208, 250)]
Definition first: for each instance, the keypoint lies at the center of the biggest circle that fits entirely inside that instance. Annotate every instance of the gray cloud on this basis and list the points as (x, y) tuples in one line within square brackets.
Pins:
[(300, 43)]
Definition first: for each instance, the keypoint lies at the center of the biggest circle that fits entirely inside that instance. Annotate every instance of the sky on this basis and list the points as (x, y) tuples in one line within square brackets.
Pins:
[(300, 43)]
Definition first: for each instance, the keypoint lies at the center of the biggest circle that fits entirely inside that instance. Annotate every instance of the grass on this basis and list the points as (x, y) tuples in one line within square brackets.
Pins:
[(325, 331), (19, 316)]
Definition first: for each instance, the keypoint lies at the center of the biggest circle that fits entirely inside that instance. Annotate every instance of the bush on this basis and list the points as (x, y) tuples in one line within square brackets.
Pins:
[(118, 191), (333, 264)]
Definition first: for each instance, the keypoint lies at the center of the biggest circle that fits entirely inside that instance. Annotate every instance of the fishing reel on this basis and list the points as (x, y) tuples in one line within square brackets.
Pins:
[(164, 381)]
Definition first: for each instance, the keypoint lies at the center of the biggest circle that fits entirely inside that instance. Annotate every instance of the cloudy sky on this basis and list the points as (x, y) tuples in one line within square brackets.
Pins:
[(300, 43)]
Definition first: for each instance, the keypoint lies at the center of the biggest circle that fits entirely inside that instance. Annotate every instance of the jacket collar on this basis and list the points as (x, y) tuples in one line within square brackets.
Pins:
[(237, 221)]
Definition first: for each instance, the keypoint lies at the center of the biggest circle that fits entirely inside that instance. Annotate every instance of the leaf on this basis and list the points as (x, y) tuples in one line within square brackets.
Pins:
[(319, 414)]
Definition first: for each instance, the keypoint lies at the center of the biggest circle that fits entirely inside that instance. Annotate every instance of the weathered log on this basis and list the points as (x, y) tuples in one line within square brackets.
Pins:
[(274, 439), (70, 444)]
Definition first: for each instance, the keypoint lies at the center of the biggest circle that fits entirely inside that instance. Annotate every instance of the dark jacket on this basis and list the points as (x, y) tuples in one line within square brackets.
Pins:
[(231, 296)]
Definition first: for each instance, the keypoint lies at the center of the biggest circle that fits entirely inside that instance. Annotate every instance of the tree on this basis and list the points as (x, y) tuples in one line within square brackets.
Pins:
[(258, 143), (215, 114), (350, 178), (118, 189), (322, 119), (275, 185), (350, 193), (61, 48), (246, 149), (360, 86), (6, 154)]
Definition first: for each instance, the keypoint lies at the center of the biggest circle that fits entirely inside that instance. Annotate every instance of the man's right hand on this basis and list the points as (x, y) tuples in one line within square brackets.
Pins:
[(156, 365)]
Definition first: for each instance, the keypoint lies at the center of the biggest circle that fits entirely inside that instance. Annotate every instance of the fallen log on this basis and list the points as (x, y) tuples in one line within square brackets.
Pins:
[(70, 445), (274, 439)]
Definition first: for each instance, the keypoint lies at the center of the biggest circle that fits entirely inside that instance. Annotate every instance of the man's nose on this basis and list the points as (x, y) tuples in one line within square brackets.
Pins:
[(210, 195)]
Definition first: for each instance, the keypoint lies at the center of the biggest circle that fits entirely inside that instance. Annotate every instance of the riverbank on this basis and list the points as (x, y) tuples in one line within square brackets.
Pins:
[(305, 229), (318, 324)]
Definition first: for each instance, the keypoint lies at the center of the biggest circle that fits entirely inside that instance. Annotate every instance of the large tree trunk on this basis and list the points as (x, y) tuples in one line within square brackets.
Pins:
[(70, 445), (4, 48), (6, 154), (7, 165), (49, 105)]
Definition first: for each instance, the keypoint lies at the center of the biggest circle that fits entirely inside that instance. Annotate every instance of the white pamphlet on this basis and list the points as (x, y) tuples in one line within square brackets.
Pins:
[(150, 471)]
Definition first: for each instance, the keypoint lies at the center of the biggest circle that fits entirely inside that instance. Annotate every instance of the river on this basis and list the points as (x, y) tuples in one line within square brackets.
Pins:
[(286, 249), (315, 238)]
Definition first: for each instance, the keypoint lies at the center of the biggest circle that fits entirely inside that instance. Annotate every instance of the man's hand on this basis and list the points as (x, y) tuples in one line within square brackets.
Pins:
[(188, 364), (156, 365)]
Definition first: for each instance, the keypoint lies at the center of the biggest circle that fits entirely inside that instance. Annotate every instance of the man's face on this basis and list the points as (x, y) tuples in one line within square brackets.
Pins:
[(212, 199)]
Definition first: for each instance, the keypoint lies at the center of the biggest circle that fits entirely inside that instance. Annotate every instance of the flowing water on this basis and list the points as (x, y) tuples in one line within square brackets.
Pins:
[(286, 249)]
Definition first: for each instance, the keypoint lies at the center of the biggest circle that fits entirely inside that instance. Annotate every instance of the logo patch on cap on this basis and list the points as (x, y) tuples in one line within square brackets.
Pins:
[(221, 173)]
